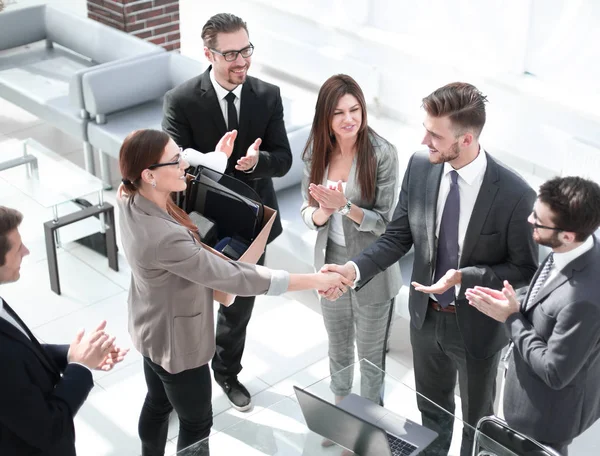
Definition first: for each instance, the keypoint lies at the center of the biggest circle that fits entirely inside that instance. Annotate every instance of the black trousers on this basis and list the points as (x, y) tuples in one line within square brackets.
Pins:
[(189, 393), (230, 335), (439, 355)]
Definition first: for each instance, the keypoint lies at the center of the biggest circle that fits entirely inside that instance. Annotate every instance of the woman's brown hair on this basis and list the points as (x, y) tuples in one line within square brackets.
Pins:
[(141, 149), (321, 141)]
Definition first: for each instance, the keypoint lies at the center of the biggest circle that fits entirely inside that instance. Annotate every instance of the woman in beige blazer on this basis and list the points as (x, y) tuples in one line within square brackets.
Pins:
[(349, 188), (171, 295)]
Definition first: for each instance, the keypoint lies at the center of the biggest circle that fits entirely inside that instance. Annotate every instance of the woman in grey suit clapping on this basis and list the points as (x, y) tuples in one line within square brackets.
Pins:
[(171, 294), (349, 188)]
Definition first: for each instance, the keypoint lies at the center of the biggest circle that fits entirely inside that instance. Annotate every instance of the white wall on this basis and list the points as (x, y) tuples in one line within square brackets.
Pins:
[(400, 51)]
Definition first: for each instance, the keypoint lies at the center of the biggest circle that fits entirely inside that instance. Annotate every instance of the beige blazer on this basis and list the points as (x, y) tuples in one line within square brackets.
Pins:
[(377, 214), (172, 281)]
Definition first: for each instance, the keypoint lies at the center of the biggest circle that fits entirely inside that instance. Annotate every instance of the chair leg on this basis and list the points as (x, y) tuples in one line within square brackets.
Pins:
[(88, 158), (105, 170)]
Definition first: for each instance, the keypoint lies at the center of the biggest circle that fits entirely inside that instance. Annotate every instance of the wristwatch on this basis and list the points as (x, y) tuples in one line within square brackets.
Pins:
[(345, 209)]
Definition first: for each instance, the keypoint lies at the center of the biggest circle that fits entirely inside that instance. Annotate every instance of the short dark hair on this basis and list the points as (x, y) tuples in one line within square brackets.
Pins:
[(575, 204), (463, 103), (221, 23), (10, 219)]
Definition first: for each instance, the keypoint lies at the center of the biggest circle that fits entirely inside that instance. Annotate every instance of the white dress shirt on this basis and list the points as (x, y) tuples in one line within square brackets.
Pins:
[(4, 314), (470, 178), (221, 94)]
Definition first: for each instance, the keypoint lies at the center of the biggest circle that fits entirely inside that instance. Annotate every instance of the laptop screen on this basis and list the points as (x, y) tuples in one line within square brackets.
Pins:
[(341, 427)]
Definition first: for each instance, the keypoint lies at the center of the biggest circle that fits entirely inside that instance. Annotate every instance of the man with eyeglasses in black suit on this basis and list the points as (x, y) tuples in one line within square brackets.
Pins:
[(196, 115)]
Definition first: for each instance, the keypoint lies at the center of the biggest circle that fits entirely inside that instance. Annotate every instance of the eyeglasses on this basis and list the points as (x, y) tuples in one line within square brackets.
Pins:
[(553, 228), (230, 56), (175, 162), (537, 225)]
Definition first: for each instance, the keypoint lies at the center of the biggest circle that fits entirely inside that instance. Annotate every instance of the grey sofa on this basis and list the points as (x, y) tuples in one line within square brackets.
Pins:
[(129, 95), (44, 52)]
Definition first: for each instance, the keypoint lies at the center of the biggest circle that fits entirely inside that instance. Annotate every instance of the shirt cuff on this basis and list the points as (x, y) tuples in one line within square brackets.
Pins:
[(280, 282), (82, 365), (255, 165), (357, 271)]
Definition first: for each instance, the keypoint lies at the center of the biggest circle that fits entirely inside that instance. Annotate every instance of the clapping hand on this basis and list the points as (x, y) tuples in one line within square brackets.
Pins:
[(115, 356), (249, 161), (96, 350), (330, 199), (498, 305), (226, 143)]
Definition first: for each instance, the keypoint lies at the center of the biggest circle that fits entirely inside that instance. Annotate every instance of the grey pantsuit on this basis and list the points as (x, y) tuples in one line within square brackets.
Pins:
[(362, 315), (348, 319)]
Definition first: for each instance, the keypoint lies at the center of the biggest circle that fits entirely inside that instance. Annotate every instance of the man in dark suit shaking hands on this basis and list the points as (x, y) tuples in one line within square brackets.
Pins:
[(551, 391), (197, 114), (466, 216), (42, 386)]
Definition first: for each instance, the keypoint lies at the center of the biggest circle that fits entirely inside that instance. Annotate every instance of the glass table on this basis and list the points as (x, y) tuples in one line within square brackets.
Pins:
[(281, 429), (51, 180)]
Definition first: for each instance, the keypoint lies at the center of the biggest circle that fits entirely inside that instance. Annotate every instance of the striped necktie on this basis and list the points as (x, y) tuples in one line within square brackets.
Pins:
[(540, 280)]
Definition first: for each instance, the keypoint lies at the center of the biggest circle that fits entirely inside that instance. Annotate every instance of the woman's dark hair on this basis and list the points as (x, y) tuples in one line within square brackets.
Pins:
[(321, 141), (141, 149)]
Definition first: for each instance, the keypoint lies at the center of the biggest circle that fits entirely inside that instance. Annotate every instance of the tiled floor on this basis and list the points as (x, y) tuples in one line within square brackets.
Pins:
[(286, 342)]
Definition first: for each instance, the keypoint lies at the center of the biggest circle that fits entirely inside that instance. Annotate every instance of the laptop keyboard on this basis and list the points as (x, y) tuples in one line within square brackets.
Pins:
[(400, 447)]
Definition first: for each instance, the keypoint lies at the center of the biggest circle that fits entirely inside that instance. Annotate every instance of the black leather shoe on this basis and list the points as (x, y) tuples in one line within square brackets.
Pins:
[(238, 395)]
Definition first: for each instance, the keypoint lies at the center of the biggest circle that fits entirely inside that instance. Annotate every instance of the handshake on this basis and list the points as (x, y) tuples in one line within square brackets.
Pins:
[(334, 280)]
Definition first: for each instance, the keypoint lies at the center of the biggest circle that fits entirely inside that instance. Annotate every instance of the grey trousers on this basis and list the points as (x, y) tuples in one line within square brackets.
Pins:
[(439, 355), (346, 321)]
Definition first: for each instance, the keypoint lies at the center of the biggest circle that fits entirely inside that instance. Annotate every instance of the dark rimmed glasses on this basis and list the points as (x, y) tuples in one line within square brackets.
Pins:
[(231, 56), (553, 228), (537, 225), (175, 162)]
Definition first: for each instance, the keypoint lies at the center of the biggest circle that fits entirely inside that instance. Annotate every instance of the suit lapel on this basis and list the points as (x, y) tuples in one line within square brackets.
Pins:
[(32, 343), (483, 204), (550, 286), (211, 104), (352, 187), (431, 196), (566, 274)]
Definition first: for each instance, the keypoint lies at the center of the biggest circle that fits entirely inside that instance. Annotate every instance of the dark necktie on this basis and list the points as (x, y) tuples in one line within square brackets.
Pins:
[(447, 248), (232, 119)]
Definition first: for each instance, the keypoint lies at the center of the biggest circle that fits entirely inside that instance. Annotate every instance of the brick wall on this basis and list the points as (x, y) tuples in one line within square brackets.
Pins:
[(156, 21)]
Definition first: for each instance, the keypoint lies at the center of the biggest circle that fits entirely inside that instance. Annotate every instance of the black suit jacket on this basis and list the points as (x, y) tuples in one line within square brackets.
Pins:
[(37, 405), (193, 118), (498, 244)]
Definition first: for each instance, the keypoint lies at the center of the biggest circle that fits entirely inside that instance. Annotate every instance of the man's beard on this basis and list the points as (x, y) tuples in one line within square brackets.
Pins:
[(553, 242), (451, 154)]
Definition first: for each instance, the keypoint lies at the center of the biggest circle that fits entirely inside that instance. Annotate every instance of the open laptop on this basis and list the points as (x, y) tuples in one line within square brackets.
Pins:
[(363, 427)]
